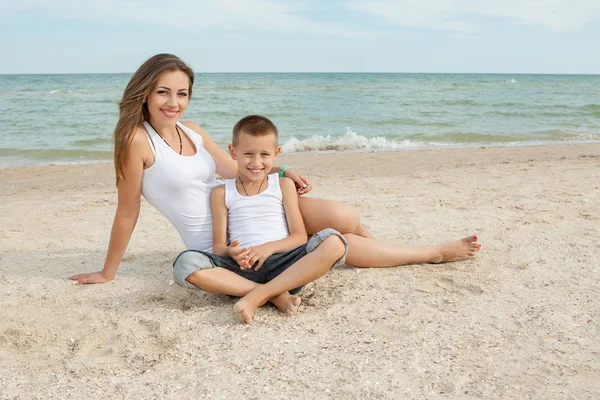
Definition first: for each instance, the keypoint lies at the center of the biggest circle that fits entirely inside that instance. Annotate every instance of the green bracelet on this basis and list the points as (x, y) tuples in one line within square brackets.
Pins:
[(282, 170)]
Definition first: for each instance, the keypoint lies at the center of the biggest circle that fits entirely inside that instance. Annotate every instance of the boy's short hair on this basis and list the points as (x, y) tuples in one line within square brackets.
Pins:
[(254, 125)]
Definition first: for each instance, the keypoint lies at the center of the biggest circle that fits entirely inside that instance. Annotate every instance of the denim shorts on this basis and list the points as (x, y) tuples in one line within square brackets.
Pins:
[(191, 261)]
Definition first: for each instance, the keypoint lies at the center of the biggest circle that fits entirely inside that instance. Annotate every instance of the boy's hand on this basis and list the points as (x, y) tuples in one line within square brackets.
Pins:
[(259, 254), (239, 255)]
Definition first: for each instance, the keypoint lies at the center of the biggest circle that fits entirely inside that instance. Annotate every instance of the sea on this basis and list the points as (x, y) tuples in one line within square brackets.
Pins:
[(61, 119)]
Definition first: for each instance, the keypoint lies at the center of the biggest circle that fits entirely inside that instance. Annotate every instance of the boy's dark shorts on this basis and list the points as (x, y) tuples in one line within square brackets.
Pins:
[(191, 261)]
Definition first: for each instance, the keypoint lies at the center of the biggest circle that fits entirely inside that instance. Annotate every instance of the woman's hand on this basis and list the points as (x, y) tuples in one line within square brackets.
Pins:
[(91, 278), (303, 185)]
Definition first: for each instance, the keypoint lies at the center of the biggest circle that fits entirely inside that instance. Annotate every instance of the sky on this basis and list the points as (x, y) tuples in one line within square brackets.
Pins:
[(458, 36)]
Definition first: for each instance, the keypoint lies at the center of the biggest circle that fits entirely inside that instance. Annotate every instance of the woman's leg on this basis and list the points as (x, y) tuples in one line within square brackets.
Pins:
[(310, 267), (221, 281), (364, 252), (319, 214)]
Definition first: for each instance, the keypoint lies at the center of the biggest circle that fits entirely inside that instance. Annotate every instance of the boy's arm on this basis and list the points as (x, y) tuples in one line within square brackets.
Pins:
[(294, 219), (219, 215), (258, 254), (292, 215)]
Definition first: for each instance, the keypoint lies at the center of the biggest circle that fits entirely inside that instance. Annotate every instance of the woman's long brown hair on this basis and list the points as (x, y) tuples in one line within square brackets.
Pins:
[(133, 110)]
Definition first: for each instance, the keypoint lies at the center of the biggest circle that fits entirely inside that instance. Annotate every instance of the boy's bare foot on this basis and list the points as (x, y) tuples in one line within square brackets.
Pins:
[(286, 303), (245, 310), (458, 250)]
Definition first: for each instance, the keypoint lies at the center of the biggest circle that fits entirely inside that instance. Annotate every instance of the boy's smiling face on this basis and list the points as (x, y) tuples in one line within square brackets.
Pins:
[(255, 155)]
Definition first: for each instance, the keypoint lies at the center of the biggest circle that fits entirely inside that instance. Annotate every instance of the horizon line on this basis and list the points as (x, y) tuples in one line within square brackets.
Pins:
[(320, 72)]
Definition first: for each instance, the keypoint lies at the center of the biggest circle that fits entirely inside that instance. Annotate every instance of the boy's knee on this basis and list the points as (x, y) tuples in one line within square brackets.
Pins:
[(335, 246), (192, 259), (187, 263)]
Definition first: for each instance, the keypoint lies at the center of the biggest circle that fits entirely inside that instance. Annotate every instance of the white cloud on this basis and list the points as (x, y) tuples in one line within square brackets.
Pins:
[(191, 15), (462, 15)]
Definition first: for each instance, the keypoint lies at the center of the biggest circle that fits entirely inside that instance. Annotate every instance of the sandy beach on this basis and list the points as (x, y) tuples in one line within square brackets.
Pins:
[(518, 322)]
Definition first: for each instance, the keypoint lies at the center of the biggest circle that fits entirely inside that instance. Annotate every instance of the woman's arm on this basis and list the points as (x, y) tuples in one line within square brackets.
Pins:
[(227, 167), (128, 209), (302, 183)]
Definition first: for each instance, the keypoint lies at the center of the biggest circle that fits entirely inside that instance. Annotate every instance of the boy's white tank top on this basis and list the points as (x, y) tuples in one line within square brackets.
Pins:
[(179, 188), (258, 219)]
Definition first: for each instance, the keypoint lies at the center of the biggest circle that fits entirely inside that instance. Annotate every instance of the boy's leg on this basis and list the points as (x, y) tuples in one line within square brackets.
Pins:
[(219, 280), (307, 269)]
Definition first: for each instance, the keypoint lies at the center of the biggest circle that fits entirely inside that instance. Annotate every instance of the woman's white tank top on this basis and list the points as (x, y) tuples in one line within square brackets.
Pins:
[(258, 219), (179, 188)]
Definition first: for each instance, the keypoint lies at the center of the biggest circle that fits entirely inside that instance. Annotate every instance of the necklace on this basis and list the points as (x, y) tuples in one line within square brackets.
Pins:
[(260, 187), (178, 134)]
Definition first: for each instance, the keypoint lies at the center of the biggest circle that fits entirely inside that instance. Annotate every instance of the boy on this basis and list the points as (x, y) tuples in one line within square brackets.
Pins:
[(260, 251)]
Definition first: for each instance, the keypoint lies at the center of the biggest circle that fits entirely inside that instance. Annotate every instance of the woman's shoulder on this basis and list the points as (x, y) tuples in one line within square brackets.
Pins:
[(139, 132), (194, 127), (208, 142), (139, 139), (140, 144)]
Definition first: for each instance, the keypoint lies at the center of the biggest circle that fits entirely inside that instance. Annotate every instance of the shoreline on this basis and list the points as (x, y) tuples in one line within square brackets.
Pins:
[(358, 151), (518, 321)]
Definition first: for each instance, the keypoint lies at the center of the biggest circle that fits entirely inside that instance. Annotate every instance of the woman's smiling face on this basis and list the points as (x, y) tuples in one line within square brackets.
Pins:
[(169, 98)]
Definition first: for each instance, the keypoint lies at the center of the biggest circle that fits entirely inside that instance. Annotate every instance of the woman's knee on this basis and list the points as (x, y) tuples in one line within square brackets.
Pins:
[(344, 218), (320, 214), (350, 215)]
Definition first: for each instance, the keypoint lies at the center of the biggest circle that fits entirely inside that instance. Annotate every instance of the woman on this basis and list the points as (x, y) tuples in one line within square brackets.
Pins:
[(172, 165)]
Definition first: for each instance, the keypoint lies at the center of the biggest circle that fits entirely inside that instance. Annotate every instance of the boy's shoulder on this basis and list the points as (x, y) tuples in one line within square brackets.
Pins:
[(218, 190), (287, 187), (287, 183)]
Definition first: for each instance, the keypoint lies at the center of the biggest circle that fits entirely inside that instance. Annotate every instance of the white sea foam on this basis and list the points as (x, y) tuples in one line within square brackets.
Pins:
[(352, 141), (349, 141), (58, 91)]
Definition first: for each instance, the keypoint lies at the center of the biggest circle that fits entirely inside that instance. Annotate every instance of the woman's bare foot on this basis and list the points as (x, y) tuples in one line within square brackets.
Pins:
[(458, 250), (286, 303), (245, 310)]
